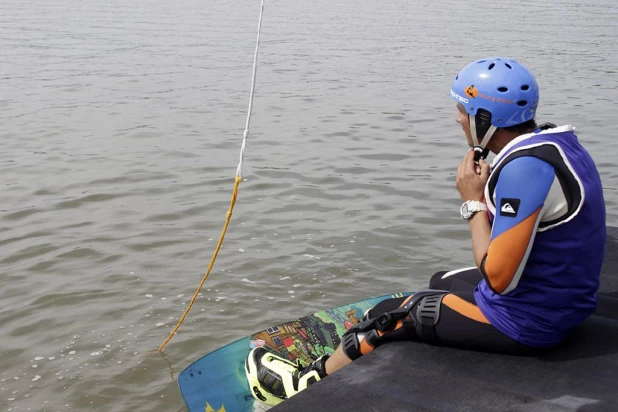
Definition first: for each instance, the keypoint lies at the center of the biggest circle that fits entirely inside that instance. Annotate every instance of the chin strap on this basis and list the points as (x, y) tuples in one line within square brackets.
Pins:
[(479, 153), (480, 149)]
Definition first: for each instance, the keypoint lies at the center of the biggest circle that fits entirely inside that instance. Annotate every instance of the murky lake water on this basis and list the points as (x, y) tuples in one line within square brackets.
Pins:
[(120, 126)]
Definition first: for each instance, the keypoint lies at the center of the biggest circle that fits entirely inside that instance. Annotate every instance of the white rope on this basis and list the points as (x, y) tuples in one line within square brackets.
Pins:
[(246, 132)]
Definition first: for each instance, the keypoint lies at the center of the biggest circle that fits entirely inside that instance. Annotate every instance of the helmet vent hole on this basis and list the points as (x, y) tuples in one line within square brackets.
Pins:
[(522, 103), (508, 65), (456, 77), (491, 66), (503, 89), (525, 87), (481, 61)]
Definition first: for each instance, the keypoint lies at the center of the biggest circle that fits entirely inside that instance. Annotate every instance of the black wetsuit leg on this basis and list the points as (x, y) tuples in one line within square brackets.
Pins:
[(461, 324)]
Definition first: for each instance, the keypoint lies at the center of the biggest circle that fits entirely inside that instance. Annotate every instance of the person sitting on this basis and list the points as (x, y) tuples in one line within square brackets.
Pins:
[(537, 224)]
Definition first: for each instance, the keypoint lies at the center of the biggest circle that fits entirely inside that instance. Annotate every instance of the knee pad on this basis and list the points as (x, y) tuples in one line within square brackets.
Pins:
[(427, 315), (421, 313)]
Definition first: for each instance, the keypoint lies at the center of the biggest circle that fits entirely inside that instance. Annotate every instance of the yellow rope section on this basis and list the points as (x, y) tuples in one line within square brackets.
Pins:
[(212, 262)]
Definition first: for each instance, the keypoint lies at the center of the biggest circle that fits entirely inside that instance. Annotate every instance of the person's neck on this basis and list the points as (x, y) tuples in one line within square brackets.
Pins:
[(501, 138)]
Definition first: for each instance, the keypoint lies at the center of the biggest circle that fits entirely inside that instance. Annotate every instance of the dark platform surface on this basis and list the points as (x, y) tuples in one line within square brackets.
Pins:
[(580, 375)]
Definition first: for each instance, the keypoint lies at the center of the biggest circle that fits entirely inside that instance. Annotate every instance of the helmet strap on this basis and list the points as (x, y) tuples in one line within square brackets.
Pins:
[(482, 130)]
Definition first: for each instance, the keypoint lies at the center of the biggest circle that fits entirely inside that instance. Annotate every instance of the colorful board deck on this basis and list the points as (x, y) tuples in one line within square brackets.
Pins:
[(217, 381)]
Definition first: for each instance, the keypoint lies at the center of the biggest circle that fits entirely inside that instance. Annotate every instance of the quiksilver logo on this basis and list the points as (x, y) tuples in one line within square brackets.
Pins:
[(509, 207)]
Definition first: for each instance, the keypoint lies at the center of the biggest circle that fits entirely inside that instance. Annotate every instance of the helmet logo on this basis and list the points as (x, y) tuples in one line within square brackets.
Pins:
[(459, 98), (471, 91)]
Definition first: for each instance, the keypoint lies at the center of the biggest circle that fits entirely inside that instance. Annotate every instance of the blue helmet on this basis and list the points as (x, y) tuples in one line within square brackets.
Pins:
[(502, 87)]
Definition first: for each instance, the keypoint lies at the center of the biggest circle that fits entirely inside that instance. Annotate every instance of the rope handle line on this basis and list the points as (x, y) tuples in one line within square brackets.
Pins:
[(237, 181), (212, 263)]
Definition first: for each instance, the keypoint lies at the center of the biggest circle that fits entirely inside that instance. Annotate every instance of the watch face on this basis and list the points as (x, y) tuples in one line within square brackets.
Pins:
[(464, 210)]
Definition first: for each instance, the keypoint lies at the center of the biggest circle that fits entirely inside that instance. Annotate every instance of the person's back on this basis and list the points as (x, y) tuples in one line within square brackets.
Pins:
[(560, 276)]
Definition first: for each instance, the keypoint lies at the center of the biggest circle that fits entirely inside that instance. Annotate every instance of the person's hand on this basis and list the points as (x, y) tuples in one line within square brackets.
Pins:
[(471, 178)]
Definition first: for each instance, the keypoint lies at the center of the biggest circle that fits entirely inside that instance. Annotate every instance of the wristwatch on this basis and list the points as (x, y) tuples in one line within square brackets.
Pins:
[(469, 208)]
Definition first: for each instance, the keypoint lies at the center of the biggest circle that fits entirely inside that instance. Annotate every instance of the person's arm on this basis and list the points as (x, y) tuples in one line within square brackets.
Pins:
[(521, 191), (471, 181), (480, 231)]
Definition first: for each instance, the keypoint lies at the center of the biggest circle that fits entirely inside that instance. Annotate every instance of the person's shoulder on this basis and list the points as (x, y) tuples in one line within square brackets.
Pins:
[(526, 170), (526, 162)]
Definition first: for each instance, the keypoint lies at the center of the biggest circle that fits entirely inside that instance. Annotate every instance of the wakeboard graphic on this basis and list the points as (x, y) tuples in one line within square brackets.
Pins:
[(217, 382)]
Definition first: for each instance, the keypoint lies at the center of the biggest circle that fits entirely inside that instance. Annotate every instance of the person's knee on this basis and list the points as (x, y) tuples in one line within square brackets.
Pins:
[(415, 319), (427, 314)]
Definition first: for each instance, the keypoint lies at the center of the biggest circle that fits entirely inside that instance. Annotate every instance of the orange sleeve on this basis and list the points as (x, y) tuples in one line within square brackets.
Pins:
[(507, 254)]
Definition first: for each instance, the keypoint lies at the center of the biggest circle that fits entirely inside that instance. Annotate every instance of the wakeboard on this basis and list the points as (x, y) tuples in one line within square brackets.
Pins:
[(217, 381)]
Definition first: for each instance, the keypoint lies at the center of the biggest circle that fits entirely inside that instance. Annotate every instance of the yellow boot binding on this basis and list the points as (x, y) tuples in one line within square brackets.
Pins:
[(273, 379)]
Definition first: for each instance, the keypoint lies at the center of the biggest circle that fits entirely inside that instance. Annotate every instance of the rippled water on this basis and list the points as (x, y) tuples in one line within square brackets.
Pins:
[(121, 124)]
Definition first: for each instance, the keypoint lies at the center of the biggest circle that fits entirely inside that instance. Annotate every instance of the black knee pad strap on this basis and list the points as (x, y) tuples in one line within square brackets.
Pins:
[(351, 346), (428, 315)]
